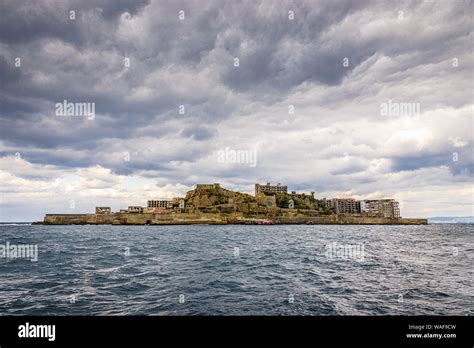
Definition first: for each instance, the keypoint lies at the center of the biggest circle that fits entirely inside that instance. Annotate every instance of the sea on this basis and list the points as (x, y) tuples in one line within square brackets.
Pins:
[(310, 270)]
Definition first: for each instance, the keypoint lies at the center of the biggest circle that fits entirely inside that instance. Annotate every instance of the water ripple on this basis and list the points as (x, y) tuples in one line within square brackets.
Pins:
[(278, 270)]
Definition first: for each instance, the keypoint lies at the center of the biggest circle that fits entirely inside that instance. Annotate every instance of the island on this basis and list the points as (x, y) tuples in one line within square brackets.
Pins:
[(270, 205)]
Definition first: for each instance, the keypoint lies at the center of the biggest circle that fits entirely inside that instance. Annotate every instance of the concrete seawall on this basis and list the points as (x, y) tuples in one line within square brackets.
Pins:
[(133, 219), (350, 220), (215, 219)]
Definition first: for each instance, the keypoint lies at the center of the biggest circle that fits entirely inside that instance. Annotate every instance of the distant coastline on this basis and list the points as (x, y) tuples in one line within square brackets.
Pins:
[(451, 220)]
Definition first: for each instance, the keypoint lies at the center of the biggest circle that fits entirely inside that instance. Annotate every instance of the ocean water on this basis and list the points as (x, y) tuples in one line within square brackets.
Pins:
[(239, 270)]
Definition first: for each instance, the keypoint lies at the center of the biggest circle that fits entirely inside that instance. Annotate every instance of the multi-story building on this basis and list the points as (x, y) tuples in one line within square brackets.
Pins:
[(154, 210), (135, 209), (103, 210), (160, 203), (272, 189), (380, 207), (343, 205)]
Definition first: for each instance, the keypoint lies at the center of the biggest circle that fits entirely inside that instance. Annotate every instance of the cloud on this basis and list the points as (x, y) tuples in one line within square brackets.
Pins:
[(334, 65)]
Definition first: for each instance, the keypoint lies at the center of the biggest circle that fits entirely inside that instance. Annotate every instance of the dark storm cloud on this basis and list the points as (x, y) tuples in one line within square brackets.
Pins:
[(82, 61), (198, 133), (17, 107), (460, 161), (413, 163), (287, 52), (8, 73), (24, 21)]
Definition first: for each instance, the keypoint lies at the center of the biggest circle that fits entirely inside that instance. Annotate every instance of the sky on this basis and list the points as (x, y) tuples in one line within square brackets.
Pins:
[(363, 99)]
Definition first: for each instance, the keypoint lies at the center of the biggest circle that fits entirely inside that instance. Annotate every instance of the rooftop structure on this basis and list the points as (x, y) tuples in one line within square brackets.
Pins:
[(160, 203), (103, 210), (344, 205), (381, 207), (135, 209), (272, 189)]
